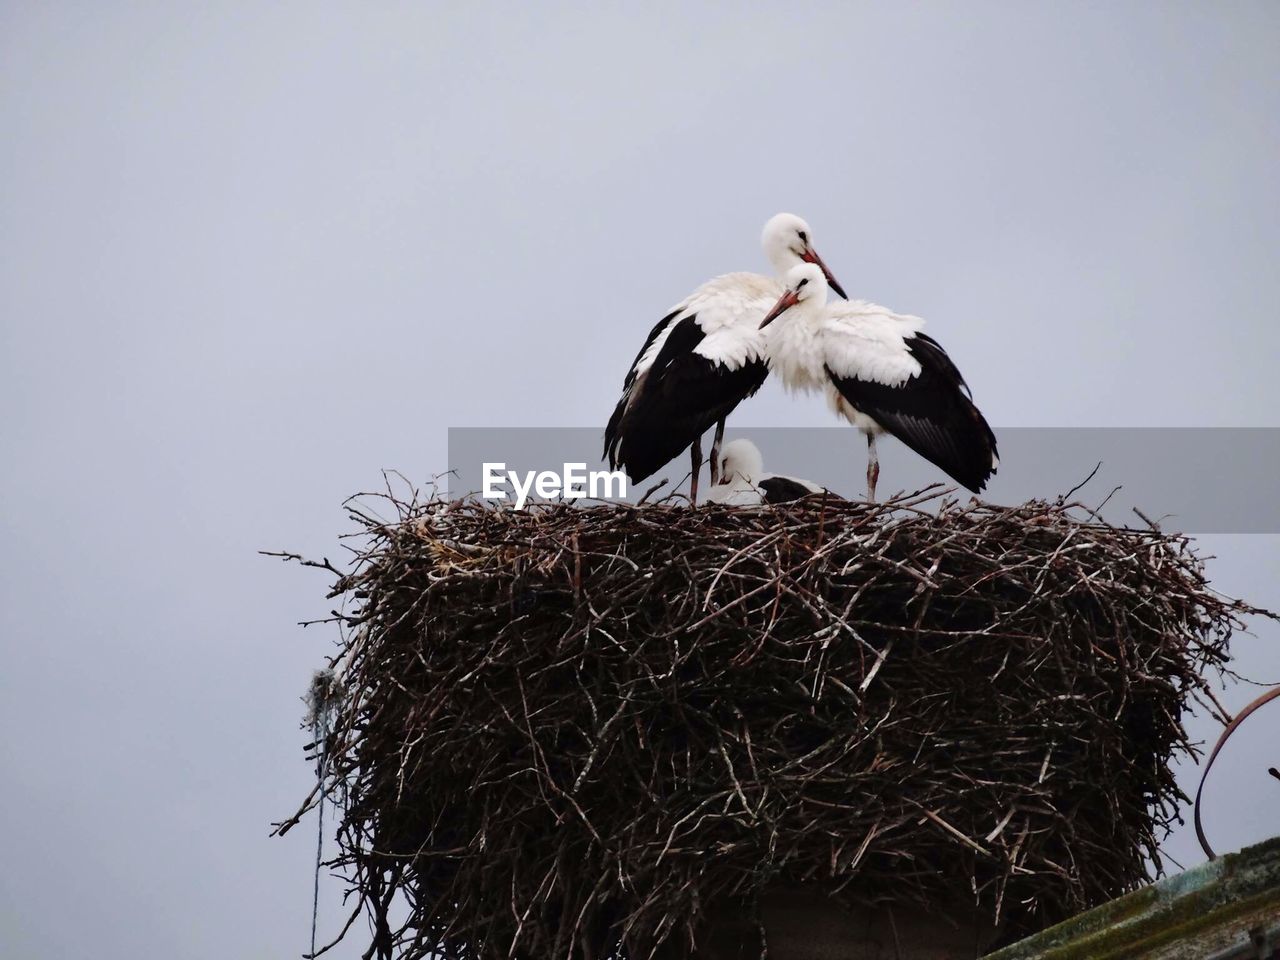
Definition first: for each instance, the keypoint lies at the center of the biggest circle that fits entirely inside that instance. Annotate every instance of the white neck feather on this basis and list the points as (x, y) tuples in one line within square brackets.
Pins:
[(781, 241), (793, 344)]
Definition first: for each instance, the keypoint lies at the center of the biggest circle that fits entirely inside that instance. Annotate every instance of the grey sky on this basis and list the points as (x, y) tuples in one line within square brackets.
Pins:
[(250, 256)]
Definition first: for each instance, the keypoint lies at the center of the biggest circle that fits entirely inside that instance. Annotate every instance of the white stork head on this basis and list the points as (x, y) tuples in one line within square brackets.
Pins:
[(741, 460), (806, 283), (788, 241)]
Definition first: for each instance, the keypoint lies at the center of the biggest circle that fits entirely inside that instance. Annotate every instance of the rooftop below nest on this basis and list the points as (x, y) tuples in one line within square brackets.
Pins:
[(1227, 909)]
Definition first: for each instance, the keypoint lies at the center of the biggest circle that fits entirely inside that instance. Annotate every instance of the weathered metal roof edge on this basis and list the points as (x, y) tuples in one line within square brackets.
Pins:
[(1210, 907)]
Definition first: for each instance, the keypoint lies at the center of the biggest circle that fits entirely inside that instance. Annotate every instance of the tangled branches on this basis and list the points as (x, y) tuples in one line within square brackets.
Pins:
[(570, 732)]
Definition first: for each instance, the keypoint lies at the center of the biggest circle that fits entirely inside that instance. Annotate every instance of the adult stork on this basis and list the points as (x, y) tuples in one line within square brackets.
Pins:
[(701, 360), (743, 482), (882, 375)]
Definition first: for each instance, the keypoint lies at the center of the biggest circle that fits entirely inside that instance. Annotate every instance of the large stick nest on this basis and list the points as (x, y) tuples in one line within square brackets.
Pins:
[(566, 732)]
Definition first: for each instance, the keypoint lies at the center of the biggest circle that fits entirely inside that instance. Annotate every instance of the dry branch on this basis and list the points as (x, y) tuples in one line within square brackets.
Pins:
[(566, 732)]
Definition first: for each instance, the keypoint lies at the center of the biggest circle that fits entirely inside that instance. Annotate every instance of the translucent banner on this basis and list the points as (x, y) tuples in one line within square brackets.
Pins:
[(1196, 480)]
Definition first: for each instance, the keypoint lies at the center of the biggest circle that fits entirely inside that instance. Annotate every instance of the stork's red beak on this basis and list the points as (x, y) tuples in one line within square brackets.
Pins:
[(810, 255), (785, 302)]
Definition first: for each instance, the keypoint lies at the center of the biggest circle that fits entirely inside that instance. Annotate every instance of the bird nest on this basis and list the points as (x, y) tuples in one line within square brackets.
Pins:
[(571, 732)]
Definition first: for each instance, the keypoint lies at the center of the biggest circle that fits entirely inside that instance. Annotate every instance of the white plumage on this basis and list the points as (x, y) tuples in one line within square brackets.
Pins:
[(868, 341), (701, 360), (728, 309), (879, 371), (744, 483)]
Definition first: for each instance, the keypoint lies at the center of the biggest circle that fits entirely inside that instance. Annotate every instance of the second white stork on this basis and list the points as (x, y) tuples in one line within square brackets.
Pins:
[(882, 374), (701, 360), (743, 482)]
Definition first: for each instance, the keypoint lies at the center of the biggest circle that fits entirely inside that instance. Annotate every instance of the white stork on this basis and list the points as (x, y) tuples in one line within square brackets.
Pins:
[(743, 482), (882, 375), (701, 360)]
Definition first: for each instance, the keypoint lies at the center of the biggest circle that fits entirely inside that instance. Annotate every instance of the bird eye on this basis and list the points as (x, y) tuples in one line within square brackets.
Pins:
[(804, 237), (802, 282)]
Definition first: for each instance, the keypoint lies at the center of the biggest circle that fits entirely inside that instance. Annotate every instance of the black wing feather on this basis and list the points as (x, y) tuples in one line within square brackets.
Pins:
[(675, 402), (612, 437), (782, 489), (648, 342), (931, 413), (943, 362)]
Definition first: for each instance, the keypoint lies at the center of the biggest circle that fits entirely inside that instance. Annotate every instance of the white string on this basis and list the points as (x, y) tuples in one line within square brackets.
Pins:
[(321, 700), (315, 893)]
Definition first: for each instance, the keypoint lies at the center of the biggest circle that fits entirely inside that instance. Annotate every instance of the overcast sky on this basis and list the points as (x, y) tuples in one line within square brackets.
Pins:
[(249, 256)]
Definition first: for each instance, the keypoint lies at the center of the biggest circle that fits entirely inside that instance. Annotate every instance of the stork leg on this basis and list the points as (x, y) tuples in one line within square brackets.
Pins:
[(715, 453), (695, 452), (873, 467)]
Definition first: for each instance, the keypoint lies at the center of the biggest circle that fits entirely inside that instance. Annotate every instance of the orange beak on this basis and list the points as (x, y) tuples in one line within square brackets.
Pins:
[(811, 256), (785, 303)]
